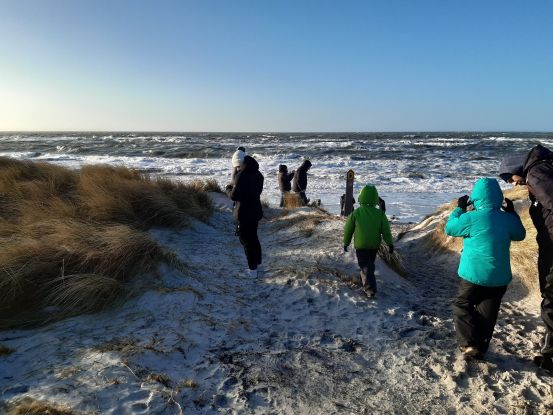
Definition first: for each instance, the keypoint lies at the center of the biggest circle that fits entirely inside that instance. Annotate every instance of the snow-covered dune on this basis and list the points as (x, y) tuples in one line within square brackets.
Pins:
[(300, 339)]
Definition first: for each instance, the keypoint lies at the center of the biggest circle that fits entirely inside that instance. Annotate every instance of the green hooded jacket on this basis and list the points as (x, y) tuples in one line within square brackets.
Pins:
[(488, 232), (367, 222)]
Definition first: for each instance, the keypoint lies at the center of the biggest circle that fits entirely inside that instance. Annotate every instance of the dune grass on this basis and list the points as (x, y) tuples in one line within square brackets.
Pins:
[(292, 200), (70, 239), (523, 254), (28, 406)]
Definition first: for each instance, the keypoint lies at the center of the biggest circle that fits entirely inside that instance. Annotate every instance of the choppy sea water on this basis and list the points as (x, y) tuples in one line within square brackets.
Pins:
[(414, 173)]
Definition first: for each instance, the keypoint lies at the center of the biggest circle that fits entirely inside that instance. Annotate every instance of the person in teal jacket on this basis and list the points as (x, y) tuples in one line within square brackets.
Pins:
[(485, 267), (367, 225)]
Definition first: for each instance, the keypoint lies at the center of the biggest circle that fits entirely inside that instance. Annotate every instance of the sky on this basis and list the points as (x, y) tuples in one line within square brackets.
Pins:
[(276, 65)]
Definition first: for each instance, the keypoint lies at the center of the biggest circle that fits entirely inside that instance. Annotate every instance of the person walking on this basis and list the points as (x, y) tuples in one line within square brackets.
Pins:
[(284, 182), (485, 266), (299, 184), (246, 192), (367, 224), (535, 170)]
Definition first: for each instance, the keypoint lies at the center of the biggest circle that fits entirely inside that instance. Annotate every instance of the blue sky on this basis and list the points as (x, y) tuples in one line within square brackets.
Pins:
[(234, 65)]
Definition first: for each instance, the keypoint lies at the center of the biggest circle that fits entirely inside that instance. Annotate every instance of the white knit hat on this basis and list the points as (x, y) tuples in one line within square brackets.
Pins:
[(238, 158)]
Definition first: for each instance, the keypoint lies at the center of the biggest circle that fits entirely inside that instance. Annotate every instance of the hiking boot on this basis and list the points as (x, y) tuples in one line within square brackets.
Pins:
[(471, 351), (544, 362), (251, 273), (369, 292)]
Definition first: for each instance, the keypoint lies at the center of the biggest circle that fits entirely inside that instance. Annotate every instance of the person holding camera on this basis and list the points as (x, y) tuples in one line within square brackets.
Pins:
[(485, 266), (535, 171)]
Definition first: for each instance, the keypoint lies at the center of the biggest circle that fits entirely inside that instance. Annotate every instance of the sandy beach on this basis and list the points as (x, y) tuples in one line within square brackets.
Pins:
[(301, 338)]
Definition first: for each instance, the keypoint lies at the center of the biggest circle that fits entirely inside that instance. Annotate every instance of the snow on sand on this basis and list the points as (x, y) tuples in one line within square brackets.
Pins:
[(301, 338)]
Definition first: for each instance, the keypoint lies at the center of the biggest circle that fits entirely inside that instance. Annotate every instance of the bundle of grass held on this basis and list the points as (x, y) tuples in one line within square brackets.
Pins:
[(70, 239)]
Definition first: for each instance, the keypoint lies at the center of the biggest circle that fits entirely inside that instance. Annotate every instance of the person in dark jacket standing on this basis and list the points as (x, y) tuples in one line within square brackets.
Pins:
[(246, 191), (284, 181), (485, 267), (299, 183), (536, 171)]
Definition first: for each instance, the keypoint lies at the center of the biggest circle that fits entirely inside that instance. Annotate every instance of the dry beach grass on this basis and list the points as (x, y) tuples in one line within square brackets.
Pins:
[(71, 238)]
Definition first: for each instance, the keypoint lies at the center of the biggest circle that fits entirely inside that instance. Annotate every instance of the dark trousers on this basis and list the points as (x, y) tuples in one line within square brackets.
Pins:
[(247, 231), (545, 272), (475, 312), (304, 198), (365, 259)]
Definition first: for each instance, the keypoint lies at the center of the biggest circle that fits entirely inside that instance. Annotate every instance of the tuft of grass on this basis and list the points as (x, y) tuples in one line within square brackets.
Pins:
[(29, 406), (292, 201), (70, 239), (394, 260), (159, 378), (188, 383)]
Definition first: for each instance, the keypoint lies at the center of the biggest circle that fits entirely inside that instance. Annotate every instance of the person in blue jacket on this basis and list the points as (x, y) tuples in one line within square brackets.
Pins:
[(485, 267)]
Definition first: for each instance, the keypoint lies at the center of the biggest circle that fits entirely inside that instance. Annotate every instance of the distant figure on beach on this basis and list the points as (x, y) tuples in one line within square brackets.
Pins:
[(236, 161), (299, 184), (367, 224), (535, 170), (284, 181), (246, 192), (485, 266)]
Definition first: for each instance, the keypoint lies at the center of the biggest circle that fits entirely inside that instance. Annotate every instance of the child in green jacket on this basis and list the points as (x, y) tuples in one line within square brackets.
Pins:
[(368, 224)]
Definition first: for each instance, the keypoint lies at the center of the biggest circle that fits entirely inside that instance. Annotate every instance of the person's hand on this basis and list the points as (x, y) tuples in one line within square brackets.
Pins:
[(509, 206), (382, 204), (391, 249), (345, 248), (463, 202)]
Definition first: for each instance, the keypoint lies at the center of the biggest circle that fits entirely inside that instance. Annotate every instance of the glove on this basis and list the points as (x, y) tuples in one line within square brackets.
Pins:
[(509, 206), (463, 202), (345, 248), (381, 204), (391, 249), (228, 187)]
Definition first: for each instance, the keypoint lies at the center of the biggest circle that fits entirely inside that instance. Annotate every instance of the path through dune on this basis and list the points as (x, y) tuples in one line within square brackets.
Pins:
[(300, 339)]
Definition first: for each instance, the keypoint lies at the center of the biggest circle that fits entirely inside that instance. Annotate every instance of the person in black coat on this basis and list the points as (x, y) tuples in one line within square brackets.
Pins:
[(246, 192), (536, 171), (284, 181), (299, 183)]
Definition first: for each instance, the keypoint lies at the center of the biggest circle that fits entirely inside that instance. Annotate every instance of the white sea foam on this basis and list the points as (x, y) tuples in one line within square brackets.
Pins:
[(415, 173)]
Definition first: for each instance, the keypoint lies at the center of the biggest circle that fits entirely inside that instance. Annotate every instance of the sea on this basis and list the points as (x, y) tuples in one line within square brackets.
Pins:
[(413, 172)]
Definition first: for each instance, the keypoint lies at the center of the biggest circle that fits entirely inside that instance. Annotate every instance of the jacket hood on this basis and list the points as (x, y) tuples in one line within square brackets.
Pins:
[(306, 165), (368, 196), (283, 168), (487, 194), (538, 153), (511, 165), (250, 163)]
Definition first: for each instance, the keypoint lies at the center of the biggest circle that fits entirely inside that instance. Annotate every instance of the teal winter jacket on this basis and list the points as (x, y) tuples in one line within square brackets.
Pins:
[(487, 232)]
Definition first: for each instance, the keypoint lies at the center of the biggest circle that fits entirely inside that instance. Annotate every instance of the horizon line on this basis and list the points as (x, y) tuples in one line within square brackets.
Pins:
[(275, 132)]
